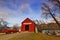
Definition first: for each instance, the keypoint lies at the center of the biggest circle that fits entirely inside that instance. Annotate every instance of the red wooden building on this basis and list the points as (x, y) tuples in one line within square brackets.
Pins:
[(28, 25)]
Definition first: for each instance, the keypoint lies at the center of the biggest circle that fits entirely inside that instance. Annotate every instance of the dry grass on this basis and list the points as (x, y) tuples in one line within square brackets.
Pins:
[(34, 36), (27, 36)]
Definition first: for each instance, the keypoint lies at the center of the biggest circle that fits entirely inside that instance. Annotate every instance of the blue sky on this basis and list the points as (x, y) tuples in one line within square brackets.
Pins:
[(15, 11)]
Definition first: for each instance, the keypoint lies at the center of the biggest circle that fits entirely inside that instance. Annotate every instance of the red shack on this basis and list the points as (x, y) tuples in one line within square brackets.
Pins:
[(28, 25)]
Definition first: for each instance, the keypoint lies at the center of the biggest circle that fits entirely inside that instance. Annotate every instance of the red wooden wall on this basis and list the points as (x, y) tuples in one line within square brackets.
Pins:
[(30, 23)]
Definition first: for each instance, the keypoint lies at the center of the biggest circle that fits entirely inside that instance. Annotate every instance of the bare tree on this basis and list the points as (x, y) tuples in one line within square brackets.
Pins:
[(3, 24), (47, 11), (16, 27), (55, 2)]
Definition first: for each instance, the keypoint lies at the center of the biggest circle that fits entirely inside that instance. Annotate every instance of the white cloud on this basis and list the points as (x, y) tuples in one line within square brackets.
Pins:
[(52, 20), (25, 7), (11, 15), (6, 12), (13, 21)]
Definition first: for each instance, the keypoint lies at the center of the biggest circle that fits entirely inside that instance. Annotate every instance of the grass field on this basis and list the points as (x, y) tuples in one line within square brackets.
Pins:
[(28, 36), (34, 36)]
